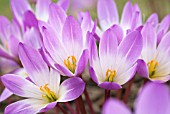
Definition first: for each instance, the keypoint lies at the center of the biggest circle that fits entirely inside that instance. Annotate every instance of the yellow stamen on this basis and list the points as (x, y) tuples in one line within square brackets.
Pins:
[(152, 67), (48, 94), (110, 74), (70, 63)]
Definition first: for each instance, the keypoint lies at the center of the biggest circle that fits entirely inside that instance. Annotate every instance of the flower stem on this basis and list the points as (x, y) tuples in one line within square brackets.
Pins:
[(88, 101), (119, 94), (70, 108), (81, 105), (62, 109), (107, 94), (77, 107), (125, 98)]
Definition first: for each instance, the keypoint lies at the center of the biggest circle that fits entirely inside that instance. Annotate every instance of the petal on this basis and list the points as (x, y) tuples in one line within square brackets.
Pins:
[(34, 64), (142, 69), (42, 9), (129, 50), (124, 77), (147, 101), (82, 63), (63, 71), (13, 45), (20, 86), (153, 19), (117, 30), (164, 25), (93, 74), (54, 80), (4, 54), (114, 106), (108, 50), (127, 15), (72, 37), (110, 85), (19, 7), (64, 4), (29, 20), (28, 106), (149, 42), (32, 37), (107, 13), (5, 94), (71, 89), (57, 17)]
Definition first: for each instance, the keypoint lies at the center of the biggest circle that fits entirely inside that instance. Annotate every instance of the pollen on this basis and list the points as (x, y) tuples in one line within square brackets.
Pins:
[(152, 67), (70, 63), (110, 74), (47, 93)]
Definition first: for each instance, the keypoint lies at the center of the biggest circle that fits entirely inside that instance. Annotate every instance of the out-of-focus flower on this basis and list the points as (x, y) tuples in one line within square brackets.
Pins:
[(44, 90), (162, 27), (108, 16), (19, 7), (115, 64), (153, 99), (66, 51), (154, 63)]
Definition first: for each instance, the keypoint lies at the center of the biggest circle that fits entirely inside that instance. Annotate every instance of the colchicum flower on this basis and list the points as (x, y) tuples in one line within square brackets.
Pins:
[(114, 65), (108, 16), (43, 90), (153, 99), (154, 63), (67, 54)]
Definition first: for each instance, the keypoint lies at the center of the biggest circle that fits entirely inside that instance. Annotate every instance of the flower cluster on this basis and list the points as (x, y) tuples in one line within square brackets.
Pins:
[(44, 46)]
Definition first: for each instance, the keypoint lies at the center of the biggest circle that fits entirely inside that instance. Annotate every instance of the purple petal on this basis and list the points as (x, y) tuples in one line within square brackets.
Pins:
[(42, 9), (114, 106), (153, 19), (64, 4), (82, 63), (19, 7), (93, 75), (164, 25), (63, 71), (32, 37), (72, 37), (57, 17), (13, 45), (135, 20), (4, 54), (107, 13), (34, 64), (130, 48), (118, 32), (150, 98), (20, 86), (142, 69), (29, 20), (71, 89), (110, 86), (127, 15), (28, 106), (5, 94)]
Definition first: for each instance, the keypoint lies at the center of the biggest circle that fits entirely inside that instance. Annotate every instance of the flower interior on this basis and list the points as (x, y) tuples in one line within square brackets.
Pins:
[(70, 63), (152, 67), (110, 74)]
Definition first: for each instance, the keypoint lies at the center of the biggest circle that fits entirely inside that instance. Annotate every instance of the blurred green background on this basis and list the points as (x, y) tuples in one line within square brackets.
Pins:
[(162, 7)]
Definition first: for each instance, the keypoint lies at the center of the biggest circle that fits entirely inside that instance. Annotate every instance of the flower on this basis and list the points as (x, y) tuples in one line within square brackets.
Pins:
[(114, 65), (67, 54), (154, 63), (147, 102), (43, 91), (108, 16)]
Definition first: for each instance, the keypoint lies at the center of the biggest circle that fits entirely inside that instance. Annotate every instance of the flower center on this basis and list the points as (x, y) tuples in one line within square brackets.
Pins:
[(110, 74), (70, 63), (48, 94), (152, 67)]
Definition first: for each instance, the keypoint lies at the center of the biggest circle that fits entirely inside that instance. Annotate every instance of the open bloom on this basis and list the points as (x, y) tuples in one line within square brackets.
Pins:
[(154, 63), (43, 90), (152, 99), (115, 64), (66, 54), (108, 16)]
